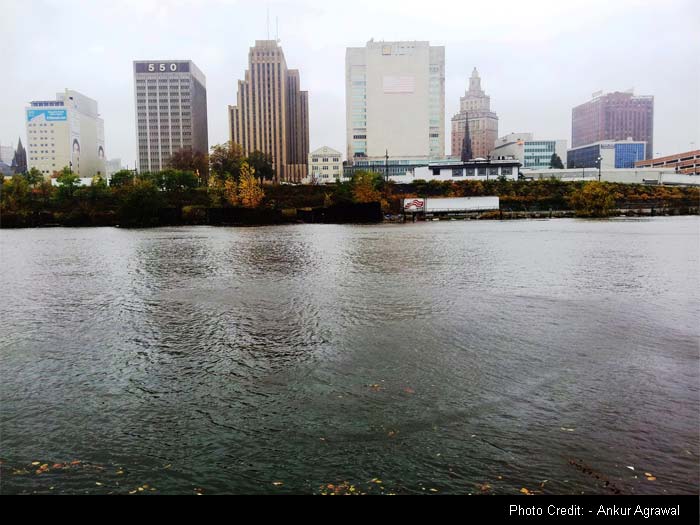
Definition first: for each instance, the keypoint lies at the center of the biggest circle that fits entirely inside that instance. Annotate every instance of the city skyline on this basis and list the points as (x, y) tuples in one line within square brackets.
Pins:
[(537, 72)]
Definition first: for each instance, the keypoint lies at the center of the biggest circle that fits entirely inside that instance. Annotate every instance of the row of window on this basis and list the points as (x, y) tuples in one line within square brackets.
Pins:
[(479, 172)]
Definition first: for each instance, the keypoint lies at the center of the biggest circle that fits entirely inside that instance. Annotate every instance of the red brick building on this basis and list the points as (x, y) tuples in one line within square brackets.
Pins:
[(687, 163), (615, 116)]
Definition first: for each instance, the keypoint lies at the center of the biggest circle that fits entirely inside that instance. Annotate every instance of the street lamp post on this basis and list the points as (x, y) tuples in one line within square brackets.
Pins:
[(600, 163)]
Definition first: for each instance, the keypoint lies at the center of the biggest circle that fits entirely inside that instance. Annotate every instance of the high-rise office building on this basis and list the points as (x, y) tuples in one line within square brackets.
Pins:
[(171, 111), (395, 101), (615, 116), (475, 108), (272, 113), (66, 133)]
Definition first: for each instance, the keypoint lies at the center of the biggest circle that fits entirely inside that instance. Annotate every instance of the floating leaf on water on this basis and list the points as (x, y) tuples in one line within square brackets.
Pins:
[(568, 429), (485, 487), (409, 390), (525, 491), (98, 483), (58, 465), (76, 462), (433, 490), (166, 467), (120, 472), (648, 474), (35, 463), (631, 468), (277, 483), (651, 478), (132, 492)]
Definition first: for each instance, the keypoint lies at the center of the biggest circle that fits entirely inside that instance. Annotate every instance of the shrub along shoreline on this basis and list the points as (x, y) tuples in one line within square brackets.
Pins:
[(180, 197)]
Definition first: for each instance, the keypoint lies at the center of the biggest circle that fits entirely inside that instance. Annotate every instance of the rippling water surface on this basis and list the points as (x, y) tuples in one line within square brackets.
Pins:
[(450, 357)]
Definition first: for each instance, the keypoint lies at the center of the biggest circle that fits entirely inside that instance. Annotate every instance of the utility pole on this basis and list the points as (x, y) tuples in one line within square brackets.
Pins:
[(386, 166)]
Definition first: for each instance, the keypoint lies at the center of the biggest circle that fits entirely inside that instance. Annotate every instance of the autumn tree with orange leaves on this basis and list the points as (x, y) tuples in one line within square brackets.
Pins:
[(250, 192), (365, 187)]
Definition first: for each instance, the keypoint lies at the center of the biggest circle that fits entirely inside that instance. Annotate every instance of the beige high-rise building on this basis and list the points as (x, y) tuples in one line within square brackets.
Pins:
[(475, 105), (272, 113), (67, 132), (395, 101)]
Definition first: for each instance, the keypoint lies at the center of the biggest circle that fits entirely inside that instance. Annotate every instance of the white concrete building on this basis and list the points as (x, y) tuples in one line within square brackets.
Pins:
[(456, 171), (325, 166), (530, 152), (66, 132), (395, 100)]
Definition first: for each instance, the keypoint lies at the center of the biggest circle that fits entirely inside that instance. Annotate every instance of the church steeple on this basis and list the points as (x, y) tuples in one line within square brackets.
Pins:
[(19, 161)]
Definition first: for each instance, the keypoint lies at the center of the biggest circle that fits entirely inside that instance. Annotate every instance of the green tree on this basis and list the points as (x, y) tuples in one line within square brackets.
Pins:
[(555, 162), (593, 199), (174, 180), (15, 196), (262, 165), (68, 183), (190, 160), (34, 177), (139, 203), (121, 178), (225, 161)]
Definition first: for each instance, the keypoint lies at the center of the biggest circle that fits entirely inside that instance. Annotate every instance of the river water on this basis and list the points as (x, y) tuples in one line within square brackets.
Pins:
[(452, 357)]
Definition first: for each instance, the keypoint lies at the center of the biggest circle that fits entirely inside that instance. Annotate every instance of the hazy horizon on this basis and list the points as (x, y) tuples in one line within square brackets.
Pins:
[(537, 59)]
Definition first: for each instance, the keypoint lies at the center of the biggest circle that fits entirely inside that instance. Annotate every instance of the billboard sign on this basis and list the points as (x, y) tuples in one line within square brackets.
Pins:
[(50, 115), (413, 205)]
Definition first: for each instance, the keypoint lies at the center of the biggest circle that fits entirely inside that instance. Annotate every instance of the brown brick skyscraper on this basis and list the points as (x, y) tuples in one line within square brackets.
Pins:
[(615, 116), (475, 106)]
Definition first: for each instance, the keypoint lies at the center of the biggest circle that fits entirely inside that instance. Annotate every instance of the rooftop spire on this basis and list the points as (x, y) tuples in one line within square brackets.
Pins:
[(475, 82)]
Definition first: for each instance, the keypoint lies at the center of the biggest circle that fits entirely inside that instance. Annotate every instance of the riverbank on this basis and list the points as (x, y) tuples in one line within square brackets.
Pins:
[(142, 203)]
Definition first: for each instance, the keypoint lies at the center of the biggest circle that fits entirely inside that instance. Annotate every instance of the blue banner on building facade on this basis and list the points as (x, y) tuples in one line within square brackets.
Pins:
[(50, 115)]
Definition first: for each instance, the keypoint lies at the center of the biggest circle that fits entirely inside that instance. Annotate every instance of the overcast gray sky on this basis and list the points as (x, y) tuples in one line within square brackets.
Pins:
[(537, 58)]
